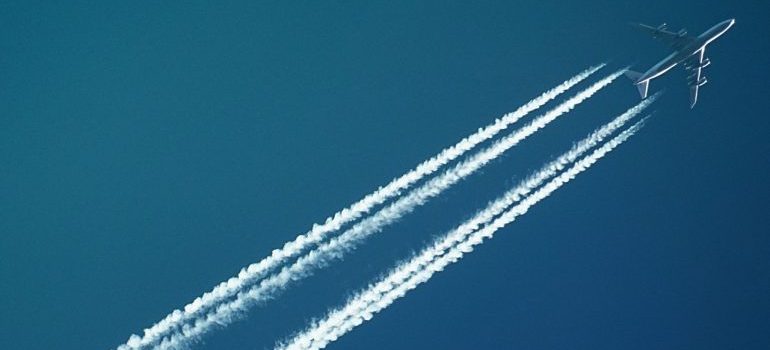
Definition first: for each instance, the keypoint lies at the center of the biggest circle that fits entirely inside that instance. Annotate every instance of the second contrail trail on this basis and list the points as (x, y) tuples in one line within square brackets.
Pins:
[(333, 223), (461, 240), (335, 248)]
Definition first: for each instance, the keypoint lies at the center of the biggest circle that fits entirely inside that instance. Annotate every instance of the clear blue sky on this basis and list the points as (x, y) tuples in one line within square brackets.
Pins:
[(148, 151)]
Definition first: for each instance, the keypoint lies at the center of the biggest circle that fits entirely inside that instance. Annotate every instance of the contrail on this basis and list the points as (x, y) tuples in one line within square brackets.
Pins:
[(333, 223), (461, 240), (336, 247)]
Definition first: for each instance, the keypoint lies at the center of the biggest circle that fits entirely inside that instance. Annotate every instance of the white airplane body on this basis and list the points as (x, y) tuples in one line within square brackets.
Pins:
[(688, 50)]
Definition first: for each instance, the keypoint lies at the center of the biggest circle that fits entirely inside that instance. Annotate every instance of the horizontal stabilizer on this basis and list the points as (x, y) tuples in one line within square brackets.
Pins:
[(641, 86), (634, 76)]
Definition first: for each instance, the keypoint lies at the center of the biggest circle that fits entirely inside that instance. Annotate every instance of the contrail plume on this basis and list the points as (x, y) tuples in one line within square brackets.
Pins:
[(461, 240), (318, 232), (336, 247)]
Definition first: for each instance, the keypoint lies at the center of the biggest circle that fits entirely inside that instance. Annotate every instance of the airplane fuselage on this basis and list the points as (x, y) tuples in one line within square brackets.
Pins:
[(686, 51)]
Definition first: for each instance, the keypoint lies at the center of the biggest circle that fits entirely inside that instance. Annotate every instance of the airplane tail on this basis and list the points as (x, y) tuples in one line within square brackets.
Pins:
[(642, 86)]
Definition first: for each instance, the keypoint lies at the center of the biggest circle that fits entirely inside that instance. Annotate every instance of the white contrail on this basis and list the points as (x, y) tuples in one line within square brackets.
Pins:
[(336, 247), (459, 241), (291, 249)]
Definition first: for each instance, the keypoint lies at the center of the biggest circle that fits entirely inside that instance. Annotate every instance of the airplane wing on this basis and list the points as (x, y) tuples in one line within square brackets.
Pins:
[(674, 40), (694, 65)]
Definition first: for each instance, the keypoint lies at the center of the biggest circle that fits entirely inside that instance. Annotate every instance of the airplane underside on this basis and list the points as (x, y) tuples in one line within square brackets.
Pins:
[(682, 44)]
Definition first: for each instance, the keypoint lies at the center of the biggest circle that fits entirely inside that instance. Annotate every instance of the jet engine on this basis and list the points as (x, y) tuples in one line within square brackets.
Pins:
[(702, 65)]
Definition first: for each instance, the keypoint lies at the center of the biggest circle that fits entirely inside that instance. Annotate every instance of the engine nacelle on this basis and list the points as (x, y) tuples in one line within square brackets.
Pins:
[(682, 33), (706, 62), (702, 81), (662, 27)]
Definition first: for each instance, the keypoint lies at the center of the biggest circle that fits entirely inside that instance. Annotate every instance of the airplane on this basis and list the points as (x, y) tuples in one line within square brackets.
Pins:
[(688, 50)]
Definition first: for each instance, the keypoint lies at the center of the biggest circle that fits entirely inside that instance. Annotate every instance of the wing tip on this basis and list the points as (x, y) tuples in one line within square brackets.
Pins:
[(693, 96)]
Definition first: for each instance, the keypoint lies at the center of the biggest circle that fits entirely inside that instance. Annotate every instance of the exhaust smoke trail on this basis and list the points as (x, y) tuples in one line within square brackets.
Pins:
[(333, 223), (461, 240), (335, 248)]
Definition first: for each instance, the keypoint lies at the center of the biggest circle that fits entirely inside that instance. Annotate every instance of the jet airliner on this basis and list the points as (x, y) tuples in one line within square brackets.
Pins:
[(688, 51)]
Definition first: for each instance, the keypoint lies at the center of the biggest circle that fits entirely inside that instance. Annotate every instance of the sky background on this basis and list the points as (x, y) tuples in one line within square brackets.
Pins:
[(148, 151)]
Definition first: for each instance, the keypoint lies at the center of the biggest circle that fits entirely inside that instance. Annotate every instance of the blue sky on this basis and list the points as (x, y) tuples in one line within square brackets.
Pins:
[(147, 152)]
